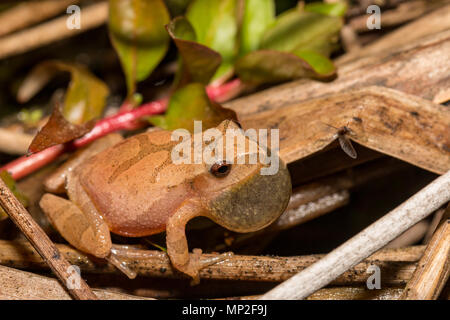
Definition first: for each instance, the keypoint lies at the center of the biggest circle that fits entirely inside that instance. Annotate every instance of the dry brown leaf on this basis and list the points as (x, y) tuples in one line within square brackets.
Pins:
[(389, 121), (58, 130)]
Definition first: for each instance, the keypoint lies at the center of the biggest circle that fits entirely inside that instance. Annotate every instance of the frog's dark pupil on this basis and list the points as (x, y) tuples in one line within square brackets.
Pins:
[(220, 169), (223, 169)]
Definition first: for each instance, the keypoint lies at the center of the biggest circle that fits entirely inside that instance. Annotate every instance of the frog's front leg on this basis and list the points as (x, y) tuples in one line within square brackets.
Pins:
[(177, 246)]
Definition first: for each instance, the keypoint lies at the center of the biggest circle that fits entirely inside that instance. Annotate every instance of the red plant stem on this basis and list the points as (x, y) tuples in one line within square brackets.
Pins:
[(27, 164)]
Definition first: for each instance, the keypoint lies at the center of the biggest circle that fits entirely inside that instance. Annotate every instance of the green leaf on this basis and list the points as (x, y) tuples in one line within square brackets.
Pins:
[(258, 15), (296, 45), (138, 35), (176, 7), (86, 95), (215, 24), (336, 9), (300, 30), (192, 103), (198, 63), (322, 66), (270, 66), (11, 184)]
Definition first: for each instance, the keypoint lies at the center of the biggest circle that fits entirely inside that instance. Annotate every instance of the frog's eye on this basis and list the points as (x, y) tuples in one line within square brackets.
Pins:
[(220, 169)]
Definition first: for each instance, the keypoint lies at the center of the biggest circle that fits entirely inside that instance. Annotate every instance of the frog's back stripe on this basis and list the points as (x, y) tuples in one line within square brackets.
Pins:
[(145, 148)]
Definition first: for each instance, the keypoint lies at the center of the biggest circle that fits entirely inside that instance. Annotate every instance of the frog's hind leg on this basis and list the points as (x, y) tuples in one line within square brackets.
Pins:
[(79, 222), (78, 195), (76, 227)]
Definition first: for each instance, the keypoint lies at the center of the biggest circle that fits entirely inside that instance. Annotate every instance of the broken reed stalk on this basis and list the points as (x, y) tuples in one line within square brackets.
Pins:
[(433, 268), (21, 285), (366, 242), (396, 265), (51, 31), (40, 241)]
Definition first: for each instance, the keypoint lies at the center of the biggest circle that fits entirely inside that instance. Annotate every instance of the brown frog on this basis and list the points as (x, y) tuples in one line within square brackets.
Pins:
[(133, 188)]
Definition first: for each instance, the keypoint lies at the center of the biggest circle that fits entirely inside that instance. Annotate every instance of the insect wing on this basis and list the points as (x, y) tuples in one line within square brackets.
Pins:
[(347, 146)]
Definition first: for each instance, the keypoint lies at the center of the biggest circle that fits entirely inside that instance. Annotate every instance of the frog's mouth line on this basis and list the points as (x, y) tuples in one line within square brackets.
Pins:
[(254, 204)]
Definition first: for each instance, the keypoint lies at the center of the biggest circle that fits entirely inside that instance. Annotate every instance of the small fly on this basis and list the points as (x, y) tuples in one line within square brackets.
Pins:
[(344, 141)]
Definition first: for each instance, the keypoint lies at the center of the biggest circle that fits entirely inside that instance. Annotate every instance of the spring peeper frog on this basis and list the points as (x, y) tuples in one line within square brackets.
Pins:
[(133, 188)]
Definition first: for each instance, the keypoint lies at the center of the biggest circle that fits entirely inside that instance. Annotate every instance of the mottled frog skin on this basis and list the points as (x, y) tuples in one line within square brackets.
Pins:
[(132, 188)]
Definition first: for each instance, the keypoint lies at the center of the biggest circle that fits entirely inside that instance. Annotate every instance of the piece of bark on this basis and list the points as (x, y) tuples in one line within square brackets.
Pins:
[(21, 285), (433, 269), (422, 69), (397, 265), (389, 121)]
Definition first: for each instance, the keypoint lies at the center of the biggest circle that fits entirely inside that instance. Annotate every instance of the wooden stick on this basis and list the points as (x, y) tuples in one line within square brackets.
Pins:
[(150, 263), (366, 242), (21, 285), (40, 241), (26, 14), (54, 30), (433, 269)]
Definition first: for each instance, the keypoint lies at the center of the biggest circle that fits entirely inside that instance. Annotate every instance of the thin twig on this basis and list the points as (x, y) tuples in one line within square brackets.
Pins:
[(54, 30), (397, 265), (366, 242), (40, 241), (433, 269)]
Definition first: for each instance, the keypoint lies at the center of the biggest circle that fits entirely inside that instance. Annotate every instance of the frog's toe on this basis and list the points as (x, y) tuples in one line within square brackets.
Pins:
[(120, 264), (197, 262)]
